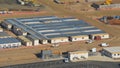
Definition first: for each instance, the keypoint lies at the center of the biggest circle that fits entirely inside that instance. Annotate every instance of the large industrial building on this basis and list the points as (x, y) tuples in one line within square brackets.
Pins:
[(52, 29)]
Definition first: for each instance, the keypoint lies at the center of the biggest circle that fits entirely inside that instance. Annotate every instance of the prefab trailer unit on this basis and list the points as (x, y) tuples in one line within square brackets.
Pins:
[(25, 41), (77, 56), (1, 29), (9, 43), (6, 25), (43, 41), (79, 38), (34, 40), (59, 39), (113, 52)]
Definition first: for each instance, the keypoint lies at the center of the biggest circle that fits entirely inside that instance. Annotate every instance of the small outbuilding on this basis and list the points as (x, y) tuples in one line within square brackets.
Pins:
[(77, 55), (9, 42), (113, 52), (1, 29)]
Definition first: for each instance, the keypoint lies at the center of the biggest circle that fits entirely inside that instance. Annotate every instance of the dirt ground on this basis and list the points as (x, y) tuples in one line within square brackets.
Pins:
[(28, 54)]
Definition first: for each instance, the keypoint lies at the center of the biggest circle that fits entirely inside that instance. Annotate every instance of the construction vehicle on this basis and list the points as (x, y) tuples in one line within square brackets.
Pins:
[(107, 2)]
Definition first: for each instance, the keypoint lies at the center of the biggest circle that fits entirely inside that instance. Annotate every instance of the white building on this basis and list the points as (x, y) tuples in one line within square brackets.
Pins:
[(113, 52), (79, 38), (100, 35), (77, 55), (34, 40), (9, 43), (1, 30), (25, 41), (59, 40)]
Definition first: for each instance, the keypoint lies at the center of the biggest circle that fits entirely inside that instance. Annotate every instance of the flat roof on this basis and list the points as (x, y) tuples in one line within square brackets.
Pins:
[(113, 49), (4, 34), (24, 38), (42, 30), (8, 40)]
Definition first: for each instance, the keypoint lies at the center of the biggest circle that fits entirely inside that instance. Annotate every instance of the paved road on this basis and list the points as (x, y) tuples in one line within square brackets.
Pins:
[(61, 64)]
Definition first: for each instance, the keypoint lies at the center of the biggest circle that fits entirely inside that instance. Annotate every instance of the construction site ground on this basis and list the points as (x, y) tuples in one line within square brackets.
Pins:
[(28, 54)]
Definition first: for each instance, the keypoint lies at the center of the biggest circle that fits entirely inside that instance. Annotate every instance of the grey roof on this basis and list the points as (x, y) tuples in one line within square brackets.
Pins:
[(113, 49), (4, 34), (31, 36), (8, 40), (55, 29)]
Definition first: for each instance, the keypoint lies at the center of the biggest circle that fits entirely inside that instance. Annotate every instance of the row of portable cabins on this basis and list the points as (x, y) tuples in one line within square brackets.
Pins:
[(36, 41)]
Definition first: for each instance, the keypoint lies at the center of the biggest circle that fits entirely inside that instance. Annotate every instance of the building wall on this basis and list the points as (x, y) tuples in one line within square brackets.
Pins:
[(43, 41), (25, 41), (79, 38), (34, 40), (78, 56), (10, 45), (58, 40), (112, 55), (103, 36), (116, 55), (28, 43)]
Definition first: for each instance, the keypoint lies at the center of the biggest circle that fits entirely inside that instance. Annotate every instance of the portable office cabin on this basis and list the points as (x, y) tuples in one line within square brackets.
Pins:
[(1, 29), (6, 25), (77, 55), (79, 38), (59, 39), (100, 35), (34, 40), (22, 32), (25, 41), (43, 41), (113, 52), (9, 43)]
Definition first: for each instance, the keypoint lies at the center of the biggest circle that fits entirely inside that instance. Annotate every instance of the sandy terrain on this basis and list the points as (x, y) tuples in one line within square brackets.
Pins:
[(27, 54)]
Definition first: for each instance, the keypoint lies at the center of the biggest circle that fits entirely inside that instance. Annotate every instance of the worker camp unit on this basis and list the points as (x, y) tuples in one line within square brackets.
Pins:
[(77, 55), (4, 35), (101, 36), (1, 30), (113, 52), (9, 42), (57, 40), (34, 40), (54, 29), (25, 41), (79, 38)]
